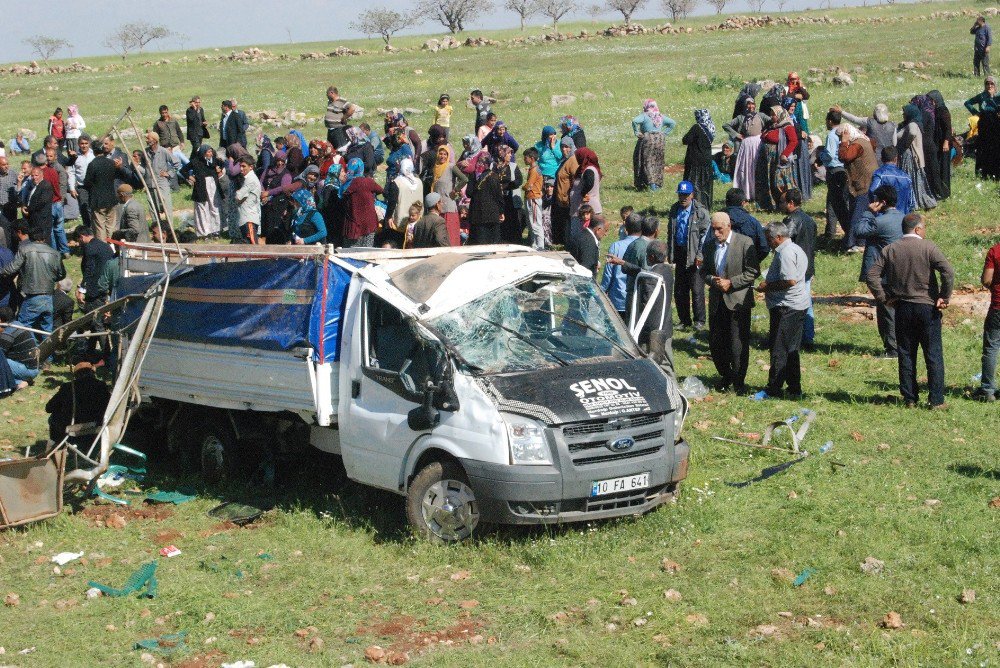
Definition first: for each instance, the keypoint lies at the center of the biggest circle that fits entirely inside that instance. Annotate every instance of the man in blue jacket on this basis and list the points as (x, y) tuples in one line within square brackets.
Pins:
[(614, 282), (890, 174), (878, 227), (981, 45)]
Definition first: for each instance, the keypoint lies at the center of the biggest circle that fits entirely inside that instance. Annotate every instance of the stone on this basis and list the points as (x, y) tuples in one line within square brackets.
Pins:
[(842, 78), (562, 100)]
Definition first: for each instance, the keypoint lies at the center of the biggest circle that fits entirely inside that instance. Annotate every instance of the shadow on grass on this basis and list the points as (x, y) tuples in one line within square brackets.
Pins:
[(974, 471)]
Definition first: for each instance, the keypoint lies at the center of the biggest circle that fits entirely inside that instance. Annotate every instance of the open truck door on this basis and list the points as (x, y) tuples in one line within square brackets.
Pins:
[(657, 291)]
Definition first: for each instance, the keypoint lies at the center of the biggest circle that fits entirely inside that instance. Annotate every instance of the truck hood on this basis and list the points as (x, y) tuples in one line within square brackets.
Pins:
[(583, 392)]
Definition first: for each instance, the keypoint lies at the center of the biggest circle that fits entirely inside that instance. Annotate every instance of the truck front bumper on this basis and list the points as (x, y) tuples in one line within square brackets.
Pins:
[(509, 494)]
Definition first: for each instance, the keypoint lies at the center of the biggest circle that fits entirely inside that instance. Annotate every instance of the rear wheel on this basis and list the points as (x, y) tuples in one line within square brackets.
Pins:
[(441, 505), (215, 448)]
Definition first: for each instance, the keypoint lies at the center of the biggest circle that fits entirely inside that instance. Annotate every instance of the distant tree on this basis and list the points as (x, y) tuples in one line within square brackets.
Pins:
[(555, 10), (46, 47), (679, 8), (781, 4), (381, 21), (756, 5), (120, 42), (626, 7), (134, 36), (718, 4), (523, 8), (453, 14)]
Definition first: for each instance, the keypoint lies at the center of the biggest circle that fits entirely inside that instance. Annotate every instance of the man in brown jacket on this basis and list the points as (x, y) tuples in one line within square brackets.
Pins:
[(905, 276), (431, 231)]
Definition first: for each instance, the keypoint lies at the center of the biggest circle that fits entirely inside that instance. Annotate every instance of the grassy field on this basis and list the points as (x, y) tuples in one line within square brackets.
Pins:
[(340, 572)]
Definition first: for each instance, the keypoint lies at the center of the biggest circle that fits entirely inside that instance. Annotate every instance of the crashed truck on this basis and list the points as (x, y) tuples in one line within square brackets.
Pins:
[(487, 385)]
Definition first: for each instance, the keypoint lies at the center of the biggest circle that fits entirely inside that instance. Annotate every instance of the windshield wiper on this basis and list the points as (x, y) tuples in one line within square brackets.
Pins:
[(527, 340), (601, 334)]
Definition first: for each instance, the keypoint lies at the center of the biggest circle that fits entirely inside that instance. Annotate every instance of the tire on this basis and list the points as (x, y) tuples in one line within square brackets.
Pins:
[(215, 450), (440, 504)]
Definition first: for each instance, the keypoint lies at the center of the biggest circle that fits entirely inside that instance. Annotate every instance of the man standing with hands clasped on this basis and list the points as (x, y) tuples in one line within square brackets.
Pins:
[(787, 297), (730, 268), (905, 276)]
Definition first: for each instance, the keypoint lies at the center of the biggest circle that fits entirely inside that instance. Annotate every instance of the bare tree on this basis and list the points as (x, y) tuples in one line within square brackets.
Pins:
[(626, 7), (679, 9), (453, 14), (523, 8), (144, 33), (555, 10), (120, 42), (718, 4), (46, 47), (381, 21), (756, 5)]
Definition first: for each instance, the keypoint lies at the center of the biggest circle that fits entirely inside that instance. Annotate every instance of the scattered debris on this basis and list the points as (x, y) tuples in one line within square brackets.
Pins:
[(144, 578), (93, 592), (872, 566), (170, 551), (169, 643), (64, 558), (693, 388), (782, 575), (175, 498), (803, 576)]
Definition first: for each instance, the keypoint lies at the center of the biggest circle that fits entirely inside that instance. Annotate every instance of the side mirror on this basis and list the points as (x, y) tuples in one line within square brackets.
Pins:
[(425, 417)]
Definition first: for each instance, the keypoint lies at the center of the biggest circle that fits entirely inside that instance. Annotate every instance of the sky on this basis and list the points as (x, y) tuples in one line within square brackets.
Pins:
[(202, 24)]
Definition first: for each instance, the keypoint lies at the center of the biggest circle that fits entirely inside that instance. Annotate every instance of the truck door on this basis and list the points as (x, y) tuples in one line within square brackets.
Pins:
[(388, 377)]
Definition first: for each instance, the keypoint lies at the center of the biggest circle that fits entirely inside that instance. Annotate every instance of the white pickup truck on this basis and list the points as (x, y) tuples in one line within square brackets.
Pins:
[(485, 384)]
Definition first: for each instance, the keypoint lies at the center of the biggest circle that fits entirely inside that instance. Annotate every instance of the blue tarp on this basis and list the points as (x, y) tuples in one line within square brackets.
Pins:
[(274, 304)]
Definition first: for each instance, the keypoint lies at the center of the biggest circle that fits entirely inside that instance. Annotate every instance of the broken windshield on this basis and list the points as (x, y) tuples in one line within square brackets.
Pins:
[(543, 322)]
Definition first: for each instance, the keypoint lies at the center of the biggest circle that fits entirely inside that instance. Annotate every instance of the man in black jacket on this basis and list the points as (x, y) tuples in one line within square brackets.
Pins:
[(100, 184), (19, 348), (197, 126), (38, 207), (229, 126), (802, 231), (586, 246), (731, 267), (78, 401), (91, 295)]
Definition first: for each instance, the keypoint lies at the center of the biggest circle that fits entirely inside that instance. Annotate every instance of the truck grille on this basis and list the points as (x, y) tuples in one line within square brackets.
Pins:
[(622, 500), (589, 443)]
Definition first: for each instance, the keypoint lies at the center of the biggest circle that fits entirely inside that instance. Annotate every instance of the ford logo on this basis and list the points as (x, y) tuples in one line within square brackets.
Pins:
[(622, 444)]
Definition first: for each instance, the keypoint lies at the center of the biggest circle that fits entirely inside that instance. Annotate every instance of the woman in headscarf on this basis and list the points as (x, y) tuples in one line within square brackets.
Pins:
[(986, 106), (774, 166), (331, 205), (563, 188), (698, 157), (910, 145), (437, 137), (359, 147), (203, 177), (471, 146), (724, 163), (294, 153), (308, 227), (586, 189), (276, 207), (486, 205), (400, 150), (878, 127), (361, 220), (549, 155), (407, 191), (571, 128), (499, 136), (650, 127), (749, 91), (744, 131), (235, 153), (512, 228), (928, 121), (75, 125), (801, 164), (265, 155), (448, 182), (943, 133)]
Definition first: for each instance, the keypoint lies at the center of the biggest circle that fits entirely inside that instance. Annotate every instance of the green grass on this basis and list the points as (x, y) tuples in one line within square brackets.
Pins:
[(343, 560)]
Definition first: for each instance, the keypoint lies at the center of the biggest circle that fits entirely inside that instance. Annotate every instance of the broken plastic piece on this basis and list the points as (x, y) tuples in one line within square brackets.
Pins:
[(145, 577), (237, 513), (169, 551), (803, 576), (64, 558), (175, 498), (693, 388), (165, 644)]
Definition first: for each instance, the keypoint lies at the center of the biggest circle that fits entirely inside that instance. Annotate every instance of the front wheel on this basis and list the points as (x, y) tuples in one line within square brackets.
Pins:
[(441, 505)]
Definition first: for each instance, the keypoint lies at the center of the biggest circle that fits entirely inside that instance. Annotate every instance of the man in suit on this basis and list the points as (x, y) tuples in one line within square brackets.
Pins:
[(197, 126), (585, 247), (731, 266), (100, 185), (879, 226), (229, 126), (686, 231), (131, 216), (38, 205)]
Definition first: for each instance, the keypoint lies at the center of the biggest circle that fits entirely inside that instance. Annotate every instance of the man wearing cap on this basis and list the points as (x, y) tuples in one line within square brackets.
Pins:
[(431, 231), (131, 216), (686, 232), (197, 126), (731, 267)]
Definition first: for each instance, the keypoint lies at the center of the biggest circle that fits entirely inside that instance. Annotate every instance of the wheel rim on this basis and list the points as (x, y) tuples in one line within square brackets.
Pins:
[(213, 456), (450, 510)]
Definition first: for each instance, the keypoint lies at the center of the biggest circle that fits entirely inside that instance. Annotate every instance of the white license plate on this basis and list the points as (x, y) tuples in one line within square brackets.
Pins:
[(626, 484)]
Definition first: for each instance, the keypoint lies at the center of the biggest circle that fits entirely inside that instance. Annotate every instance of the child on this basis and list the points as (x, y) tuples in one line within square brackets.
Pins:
[(416, 210), (74, 125), (625, 213), (533, 197), (463, 221), (585, 214), (548, 195), (442, 114)]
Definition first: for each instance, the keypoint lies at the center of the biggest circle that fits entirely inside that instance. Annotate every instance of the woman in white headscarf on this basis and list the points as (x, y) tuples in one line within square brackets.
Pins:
[(409, 190), (878, 127)]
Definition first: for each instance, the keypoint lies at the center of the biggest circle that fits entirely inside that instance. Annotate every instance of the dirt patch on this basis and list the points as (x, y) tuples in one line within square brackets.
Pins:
[(100, 514), (207, 660), (410, 635), (165, 537), (674, 169)]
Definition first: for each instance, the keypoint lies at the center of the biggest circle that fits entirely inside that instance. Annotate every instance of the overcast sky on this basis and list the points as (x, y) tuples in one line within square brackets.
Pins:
[(237, 22)]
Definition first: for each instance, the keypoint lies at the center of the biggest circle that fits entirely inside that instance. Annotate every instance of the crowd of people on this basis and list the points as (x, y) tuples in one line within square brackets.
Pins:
[(394, 187)]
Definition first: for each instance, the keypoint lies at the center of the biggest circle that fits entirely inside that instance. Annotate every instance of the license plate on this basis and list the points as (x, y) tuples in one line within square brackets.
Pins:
[(626, 484)]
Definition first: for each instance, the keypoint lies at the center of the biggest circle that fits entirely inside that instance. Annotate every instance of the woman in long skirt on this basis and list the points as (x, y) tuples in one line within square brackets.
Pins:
[(746, 129), (909, 143), (774, 166), (650, 127), (943, 132), (801, 165), (986, 105), (698, 158)]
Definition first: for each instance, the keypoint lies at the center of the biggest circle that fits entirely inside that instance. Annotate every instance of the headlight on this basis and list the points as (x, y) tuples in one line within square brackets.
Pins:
[(527, 443)]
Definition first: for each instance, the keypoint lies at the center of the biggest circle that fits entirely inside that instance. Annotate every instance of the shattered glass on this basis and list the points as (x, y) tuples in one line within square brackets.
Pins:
[(543, 322)]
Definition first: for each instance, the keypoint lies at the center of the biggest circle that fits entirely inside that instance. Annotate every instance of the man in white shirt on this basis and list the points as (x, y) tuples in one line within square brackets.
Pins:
[(77, 172), (787, 298)]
